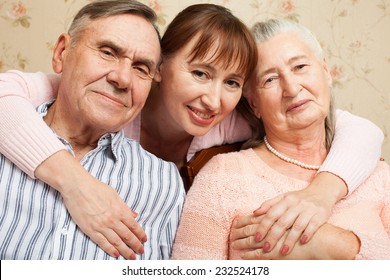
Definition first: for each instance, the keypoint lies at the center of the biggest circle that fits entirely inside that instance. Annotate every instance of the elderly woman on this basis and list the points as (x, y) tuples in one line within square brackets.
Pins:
[(290, 94)]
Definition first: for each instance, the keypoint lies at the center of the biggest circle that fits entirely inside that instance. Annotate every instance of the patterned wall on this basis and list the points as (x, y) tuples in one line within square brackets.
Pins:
[(354, 33)]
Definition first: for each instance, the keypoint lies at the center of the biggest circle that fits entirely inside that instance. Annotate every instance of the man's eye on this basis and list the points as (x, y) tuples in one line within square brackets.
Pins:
[(143, 72)]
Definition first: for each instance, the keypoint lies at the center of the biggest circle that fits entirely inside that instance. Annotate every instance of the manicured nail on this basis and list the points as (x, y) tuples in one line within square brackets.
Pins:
[(285, 249), (304, 239), (257, 237), (266, 247), (135, 214)]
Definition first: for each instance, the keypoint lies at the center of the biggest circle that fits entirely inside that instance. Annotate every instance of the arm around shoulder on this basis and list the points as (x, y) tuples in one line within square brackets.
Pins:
[(355, 150)]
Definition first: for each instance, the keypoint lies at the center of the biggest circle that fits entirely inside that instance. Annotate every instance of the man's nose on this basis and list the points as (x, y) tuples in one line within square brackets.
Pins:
[(121, 75)]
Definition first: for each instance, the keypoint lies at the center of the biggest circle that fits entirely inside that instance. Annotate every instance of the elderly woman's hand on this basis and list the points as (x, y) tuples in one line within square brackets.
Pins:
[(301, 212), (329, 242)]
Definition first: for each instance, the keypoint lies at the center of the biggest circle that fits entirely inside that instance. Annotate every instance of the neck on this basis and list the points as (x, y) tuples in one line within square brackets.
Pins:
[(310, 152), (160, 136), (82, 139)]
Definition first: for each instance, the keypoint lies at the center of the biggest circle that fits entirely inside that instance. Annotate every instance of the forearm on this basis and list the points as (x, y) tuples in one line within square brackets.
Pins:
[(355, 149), (334, 243), (25, 139)]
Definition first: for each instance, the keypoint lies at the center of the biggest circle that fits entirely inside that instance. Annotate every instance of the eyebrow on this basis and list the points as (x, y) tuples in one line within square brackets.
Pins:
[(274, 69), (118, 49), (212, 69)]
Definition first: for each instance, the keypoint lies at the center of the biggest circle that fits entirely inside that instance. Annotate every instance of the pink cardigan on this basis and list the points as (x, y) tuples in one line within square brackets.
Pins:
[(27, 141), (237, 183)]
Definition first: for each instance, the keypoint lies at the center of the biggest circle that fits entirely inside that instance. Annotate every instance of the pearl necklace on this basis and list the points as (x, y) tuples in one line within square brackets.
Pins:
[(289, 160)]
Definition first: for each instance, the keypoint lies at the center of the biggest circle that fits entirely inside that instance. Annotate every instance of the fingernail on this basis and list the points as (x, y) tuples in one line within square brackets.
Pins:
[(135, 214), (132, 257), (144, 239), (285, 249), (141, 250), (266, 247), (304, 239), (257, 237), (116, 254)]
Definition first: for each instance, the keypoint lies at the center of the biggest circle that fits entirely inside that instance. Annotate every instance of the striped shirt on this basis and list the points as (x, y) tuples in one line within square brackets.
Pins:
[(34, 223)]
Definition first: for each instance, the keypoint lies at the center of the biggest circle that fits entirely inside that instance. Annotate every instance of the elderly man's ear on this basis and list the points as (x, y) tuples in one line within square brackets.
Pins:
[(59, 53), (157, 75)]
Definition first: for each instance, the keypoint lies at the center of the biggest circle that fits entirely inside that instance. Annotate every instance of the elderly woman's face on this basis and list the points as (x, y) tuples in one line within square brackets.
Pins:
[(292, 87)]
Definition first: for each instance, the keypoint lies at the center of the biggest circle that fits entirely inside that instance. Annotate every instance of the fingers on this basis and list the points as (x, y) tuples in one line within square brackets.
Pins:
[(272, 219), (242, 221), (265, 206), (244, 237)]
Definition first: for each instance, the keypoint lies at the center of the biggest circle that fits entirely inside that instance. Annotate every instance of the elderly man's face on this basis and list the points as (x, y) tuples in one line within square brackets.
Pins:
[(107, 72), (292, 87)]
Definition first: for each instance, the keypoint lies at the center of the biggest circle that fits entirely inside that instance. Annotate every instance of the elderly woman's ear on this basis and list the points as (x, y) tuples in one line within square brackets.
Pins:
[(249, 92), (327, 72)]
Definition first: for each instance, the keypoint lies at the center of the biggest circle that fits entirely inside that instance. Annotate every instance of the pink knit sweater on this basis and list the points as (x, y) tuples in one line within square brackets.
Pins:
[(27, 141), (236, 183)]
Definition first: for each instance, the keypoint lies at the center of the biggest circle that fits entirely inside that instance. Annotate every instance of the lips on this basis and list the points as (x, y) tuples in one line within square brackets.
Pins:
[(201, 114), (111, 98), (201, 118), (297, 105)]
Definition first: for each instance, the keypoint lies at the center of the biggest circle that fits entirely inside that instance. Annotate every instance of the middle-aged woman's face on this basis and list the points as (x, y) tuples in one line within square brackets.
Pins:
[(292, 86), (198, 94)]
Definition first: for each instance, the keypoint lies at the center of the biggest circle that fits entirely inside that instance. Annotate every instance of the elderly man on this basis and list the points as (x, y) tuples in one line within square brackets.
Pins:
[(107, 61)]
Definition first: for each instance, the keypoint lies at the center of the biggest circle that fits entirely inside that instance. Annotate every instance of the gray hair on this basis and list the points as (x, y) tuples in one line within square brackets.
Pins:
[(264, 31), (108, 8)]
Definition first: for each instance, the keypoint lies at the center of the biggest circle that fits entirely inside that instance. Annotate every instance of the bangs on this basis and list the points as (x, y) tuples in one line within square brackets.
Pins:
[(227, 49)]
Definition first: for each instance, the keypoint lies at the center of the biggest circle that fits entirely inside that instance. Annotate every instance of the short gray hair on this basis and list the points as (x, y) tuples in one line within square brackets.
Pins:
[(108, 8), (263, 31)]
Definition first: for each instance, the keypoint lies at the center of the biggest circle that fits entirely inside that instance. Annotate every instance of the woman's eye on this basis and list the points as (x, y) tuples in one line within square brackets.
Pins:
[(300, 66), (199, 74), (233, 83)]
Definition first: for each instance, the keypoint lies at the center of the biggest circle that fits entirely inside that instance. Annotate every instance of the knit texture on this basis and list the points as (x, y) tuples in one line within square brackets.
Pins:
[(237, 183)]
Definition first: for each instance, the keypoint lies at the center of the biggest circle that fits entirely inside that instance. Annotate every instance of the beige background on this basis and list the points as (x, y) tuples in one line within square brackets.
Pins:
[(354, 33)]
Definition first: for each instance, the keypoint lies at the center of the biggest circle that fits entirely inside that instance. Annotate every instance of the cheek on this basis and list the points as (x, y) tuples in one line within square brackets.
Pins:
[(229, 101)]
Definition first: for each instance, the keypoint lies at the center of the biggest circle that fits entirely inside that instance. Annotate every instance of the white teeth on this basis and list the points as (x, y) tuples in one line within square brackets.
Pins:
[(202, 115)]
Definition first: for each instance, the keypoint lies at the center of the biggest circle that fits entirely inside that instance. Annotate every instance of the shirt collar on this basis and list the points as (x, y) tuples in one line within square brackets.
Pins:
[(113, 140)]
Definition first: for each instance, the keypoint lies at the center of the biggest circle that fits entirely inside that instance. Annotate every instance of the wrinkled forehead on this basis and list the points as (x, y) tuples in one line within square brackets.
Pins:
[(127, 32)]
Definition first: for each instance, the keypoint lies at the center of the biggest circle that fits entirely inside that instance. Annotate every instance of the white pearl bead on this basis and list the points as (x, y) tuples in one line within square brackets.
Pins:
[(289, 160)]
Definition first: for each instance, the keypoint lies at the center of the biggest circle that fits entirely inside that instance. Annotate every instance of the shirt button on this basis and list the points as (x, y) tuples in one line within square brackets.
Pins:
[(64, 231)]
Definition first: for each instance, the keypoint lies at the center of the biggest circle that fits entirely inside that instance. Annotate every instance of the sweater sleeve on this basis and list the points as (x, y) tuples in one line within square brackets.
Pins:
[(355, 150), (25, 139)]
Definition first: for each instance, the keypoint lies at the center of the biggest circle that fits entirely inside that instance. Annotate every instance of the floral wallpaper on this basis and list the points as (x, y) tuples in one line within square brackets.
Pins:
[(354, 33)]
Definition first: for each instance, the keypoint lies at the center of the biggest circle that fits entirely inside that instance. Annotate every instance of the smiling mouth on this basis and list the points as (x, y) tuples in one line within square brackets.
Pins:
[(200, 114), (111, 98), (297, 105)]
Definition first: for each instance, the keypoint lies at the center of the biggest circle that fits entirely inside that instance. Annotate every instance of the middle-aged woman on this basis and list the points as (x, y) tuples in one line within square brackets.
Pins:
[(207, 55), (291, 95)]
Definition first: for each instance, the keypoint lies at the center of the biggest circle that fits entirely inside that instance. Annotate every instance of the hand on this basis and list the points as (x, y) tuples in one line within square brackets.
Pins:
[(94, 206), (243, 242), (329, 242), (303, 212)]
